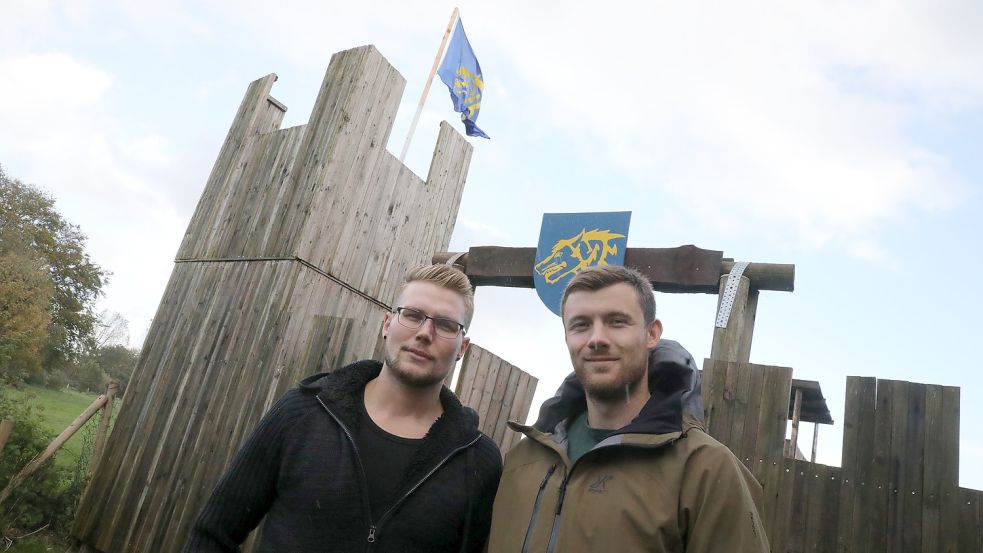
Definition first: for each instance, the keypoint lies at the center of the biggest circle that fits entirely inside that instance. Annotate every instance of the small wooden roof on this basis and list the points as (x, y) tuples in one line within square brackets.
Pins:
[(814, 407)]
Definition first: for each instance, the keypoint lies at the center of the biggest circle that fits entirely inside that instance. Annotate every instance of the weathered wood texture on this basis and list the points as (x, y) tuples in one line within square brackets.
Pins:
[(682, 269), (297, 246), (897, 488), (498, 391)]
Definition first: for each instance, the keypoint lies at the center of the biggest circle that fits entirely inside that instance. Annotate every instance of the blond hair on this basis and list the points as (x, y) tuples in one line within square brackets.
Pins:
[(447, 277)]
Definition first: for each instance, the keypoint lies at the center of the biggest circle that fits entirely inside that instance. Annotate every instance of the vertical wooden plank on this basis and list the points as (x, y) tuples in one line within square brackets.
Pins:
[(714, 373), (779, 524), (832, 503), (798, 515), (466, 379), (494, 370), (949, 476), (740, 412), (748, 447), (771, 466), (508, 397), (913, 466), (897, 477), (822, 496), (858, 448), (876, 489), (931, 488), (969, 532), (527, 397)]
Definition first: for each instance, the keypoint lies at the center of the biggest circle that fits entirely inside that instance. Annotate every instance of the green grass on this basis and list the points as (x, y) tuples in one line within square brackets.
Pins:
[(60, 408)]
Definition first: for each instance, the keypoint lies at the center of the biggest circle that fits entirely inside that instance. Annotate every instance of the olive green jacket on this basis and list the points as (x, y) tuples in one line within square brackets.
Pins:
[(660, 484)]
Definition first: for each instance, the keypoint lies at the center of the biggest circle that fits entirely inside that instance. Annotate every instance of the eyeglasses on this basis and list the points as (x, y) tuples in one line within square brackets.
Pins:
[(414, 318)]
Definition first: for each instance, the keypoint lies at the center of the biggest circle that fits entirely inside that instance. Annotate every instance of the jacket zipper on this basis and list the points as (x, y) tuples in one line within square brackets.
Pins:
[(366, 508), (535, 509), (555, 531), (374, 526)]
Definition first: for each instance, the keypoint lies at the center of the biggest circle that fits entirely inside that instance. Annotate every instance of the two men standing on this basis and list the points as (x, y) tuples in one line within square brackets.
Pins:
[(379, 456)]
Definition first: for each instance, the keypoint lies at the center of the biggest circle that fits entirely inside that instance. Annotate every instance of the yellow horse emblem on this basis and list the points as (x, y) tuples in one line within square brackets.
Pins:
[(572, 255)]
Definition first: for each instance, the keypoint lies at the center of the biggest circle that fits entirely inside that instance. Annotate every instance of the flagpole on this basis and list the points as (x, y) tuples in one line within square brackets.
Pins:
[(426, 89)]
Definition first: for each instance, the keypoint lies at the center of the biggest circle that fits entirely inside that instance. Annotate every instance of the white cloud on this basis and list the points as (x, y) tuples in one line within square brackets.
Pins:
[(46, 88), (745, 115)]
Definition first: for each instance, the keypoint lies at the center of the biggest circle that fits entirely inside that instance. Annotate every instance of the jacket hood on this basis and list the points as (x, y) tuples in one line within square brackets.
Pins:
[(341, 390), (674, 384)]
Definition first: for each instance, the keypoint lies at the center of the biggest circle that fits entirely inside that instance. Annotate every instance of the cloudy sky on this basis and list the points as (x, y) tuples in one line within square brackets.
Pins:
[(843, 137)]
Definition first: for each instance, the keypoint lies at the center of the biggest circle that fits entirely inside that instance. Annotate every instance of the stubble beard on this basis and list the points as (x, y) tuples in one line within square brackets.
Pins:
[(410, 379), (618, 389)]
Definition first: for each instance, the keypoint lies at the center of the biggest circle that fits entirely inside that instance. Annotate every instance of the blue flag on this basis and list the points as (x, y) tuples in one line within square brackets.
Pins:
[(572, 242), (462, 75)]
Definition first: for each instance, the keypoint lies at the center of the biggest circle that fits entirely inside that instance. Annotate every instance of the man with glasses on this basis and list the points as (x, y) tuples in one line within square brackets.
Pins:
[(375, 456)]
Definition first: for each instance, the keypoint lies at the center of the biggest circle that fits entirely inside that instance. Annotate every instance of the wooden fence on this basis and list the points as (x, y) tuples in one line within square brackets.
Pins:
[(498, 391), (897, 489), (300, 240)]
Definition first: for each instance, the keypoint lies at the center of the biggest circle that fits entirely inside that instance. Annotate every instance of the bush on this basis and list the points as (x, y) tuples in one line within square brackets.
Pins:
[(50, 495)]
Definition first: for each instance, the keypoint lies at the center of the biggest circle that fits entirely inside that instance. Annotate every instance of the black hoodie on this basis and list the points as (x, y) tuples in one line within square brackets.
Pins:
[(300, 468)]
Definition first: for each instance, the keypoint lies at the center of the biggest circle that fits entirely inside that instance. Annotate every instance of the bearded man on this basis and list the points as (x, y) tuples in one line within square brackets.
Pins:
[(618, 460), (375, 456)]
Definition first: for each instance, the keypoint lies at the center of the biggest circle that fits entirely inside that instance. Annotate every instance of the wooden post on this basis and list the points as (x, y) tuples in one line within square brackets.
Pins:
[(102, 431), (733, 343), (815, 440), (6, 427), (31, 467), (796, 414)]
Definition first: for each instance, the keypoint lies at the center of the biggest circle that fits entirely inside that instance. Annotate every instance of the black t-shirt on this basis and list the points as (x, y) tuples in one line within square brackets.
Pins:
[(385, 458)]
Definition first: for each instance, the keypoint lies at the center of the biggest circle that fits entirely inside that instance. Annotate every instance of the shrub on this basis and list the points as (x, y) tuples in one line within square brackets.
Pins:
[(50, 495)]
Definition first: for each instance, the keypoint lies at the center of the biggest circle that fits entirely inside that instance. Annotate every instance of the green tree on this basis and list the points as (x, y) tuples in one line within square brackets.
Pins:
[(30, 224), (25, 313)]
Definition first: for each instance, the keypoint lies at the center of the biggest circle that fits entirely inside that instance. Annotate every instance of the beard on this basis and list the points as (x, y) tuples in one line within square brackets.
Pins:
[(608, 390), (411, 379)]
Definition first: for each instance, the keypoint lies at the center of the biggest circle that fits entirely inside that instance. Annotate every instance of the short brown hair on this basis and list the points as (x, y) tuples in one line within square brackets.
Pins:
[(447, 277), (596, 278)]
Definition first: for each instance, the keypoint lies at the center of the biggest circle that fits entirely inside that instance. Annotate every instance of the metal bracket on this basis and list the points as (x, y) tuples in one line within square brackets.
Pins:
[(730, 292)]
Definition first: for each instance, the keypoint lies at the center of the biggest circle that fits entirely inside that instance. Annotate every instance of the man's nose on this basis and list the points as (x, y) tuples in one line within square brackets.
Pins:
[(428, 329), (598, 337)]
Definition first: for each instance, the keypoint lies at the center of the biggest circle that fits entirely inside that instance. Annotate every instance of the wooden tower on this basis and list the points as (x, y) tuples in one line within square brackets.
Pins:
[(296, 249)]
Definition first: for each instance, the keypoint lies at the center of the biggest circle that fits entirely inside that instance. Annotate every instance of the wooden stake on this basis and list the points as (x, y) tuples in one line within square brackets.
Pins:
[(734, 342), (426, 88), (793, 445), (31, 467), (104, 416), (6, 426), (815, 440)]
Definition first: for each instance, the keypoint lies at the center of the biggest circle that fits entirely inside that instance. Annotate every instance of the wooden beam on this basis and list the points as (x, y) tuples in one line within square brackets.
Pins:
[(31, 467), (686, 269)]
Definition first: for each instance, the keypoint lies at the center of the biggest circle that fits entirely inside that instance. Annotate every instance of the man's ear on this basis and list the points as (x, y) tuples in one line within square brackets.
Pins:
[(386, 320), (654, 333), (464, 347)]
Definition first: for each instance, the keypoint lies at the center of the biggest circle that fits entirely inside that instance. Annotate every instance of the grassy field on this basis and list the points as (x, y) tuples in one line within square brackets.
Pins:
[(60, 408)]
